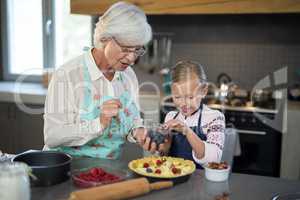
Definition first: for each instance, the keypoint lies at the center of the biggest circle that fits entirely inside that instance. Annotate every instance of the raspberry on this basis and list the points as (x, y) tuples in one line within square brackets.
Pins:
[(146, 165), (157, 171), (158, 162), (94, 172), (97, 175), (176, 170)]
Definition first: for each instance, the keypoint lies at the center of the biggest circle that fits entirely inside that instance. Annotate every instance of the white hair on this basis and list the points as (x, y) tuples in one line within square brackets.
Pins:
[(125, 22)]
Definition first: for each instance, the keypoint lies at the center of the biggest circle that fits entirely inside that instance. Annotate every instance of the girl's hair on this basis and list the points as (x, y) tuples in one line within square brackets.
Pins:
[(125, 22), (185, 70)]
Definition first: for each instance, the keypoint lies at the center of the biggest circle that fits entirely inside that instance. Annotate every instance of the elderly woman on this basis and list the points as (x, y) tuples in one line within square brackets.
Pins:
[(91, 106)]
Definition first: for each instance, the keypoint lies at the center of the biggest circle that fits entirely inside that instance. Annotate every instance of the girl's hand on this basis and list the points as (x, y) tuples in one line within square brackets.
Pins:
[(176, 125)]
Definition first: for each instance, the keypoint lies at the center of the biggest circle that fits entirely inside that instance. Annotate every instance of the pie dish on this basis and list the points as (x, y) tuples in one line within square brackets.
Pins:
[(162, 167)]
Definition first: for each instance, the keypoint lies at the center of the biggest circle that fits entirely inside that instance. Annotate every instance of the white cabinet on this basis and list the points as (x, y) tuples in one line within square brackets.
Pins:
[(290, 161)]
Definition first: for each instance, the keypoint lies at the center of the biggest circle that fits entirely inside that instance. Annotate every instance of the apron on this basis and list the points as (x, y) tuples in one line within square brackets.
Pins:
[(109, 144), (181, 147)]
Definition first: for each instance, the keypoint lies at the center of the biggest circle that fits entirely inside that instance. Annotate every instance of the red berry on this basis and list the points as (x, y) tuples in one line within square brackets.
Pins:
[(146, 165), (94, 172), (174, 170), (157, 171), (158, 162)]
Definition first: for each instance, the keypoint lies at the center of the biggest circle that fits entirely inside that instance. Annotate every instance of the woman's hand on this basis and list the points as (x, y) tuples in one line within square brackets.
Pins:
[(145, 142), (140, 134), (165, 147), (176, 125), (109, 109)]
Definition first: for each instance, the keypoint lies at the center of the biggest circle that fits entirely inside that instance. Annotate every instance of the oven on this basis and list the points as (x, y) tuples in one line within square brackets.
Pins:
[(260, 144)]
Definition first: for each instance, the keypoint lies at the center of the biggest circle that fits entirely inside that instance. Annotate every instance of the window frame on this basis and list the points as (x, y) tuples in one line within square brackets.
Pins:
[(48, 32)]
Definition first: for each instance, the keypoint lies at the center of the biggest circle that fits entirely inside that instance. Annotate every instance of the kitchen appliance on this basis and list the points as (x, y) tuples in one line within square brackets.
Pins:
[(49, 167), (263, 98), (226, 92), (260, 143), (122, 190)]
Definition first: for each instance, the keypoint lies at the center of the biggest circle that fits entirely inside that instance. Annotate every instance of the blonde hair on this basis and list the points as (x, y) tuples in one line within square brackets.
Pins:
[(185, 70), (125, 22)]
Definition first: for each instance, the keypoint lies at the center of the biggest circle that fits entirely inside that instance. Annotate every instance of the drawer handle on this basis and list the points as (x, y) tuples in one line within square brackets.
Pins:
[(251, 132)]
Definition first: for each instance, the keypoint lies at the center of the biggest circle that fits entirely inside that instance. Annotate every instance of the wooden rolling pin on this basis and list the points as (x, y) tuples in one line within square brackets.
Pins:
[(121, 190)]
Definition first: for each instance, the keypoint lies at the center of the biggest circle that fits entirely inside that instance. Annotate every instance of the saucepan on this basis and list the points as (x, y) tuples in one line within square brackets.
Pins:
[(48, 167)]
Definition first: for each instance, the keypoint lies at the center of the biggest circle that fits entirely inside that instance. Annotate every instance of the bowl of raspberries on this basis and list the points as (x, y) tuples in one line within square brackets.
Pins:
[(95, 176)]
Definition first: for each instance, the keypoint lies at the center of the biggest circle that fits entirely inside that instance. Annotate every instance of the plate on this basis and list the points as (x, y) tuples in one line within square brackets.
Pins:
[(169, 167)]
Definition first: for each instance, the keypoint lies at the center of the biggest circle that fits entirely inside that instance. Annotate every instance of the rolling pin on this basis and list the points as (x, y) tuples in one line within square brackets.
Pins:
[(120, 190)]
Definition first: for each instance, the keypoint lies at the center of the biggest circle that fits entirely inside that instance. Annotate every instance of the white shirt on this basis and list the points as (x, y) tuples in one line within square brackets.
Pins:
[(62, 123), (213, 126)]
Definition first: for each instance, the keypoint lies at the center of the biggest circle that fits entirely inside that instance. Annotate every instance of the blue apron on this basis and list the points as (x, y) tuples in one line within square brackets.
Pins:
[(109, 144), (181, 147)]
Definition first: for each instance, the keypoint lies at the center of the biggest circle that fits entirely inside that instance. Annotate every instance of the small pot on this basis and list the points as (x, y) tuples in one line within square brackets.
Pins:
[(49, 167), (261, 98)]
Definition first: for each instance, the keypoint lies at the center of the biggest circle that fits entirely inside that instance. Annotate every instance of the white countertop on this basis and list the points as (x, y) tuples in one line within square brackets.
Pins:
[(35, 93), (31, 93)]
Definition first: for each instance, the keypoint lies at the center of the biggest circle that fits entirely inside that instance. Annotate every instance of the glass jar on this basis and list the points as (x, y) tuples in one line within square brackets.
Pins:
[(14, 181)]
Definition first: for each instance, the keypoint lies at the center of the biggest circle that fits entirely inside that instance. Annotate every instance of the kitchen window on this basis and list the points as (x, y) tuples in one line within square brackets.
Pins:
[(39, 35)]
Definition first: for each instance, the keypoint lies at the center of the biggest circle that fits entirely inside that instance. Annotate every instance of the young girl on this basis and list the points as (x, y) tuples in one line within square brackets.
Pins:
[(200, 130)]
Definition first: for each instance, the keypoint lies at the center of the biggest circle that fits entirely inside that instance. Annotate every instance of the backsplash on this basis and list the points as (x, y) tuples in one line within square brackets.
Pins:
[(247, 47)]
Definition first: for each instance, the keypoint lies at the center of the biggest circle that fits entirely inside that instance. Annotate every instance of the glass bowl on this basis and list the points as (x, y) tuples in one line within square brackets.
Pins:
[(82, 182)]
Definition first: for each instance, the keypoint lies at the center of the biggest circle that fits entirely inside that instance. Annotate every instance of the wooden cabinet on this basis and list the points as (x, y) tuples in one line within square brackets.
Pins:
[(20, 131), (165, 7)]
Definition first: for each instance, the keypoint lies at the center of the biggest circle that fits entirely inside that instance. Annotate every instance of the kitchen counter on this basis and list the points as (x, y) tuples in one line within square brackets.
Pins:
[(239, 186), (31, 93)]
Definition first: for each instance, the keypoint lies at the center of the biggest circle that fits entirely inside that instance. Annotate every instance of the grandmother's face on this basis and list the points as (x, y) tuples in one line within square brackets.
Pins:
[(119, 57)]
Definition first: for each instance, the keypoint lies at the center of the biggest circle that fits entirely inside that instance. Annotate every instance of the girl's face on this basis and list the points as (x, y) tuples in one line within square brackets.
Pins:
[(187, 95)]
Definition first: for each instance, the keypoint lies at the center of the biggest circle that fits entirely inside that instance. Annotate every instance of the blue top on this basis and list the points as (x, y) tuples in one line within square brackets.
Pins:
[(181, 147)]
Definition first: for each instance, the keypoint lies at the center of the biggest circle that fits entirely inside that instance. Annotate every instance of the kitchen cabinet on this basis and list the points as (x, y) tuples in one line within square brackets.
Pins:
[(290, 164), (20, 131), (169, 7), (8, 127), (30, 135)]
